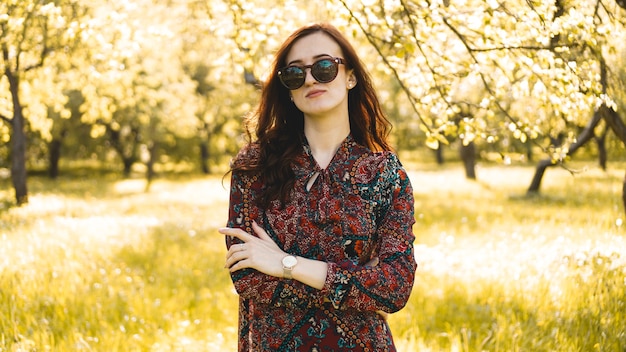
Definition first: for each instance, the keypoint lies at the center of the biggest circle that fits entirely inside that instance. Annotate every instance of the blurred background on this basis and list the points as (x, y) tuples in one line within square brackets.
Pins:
[(157, 86), (118, 120)]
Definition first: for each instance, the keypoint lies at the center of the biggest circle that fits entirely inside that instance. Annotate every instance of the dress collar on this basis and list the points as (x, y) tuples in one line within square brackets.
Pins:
[(305, 163)]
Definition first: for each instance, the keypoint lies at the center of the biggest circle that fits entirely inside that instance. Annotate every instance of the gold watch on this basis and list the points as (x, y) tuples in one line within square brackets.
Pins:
[(289, 262)]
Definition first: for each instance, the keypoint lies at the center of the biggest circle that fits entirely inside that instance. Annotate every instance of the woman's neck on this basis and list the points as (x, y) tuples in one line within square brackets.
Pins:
[(325, 137)]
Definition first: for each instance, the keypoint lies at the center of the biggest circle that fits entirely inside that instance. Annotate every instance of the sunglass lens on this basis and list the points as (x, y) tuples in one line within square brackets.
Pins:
[(324, 71), (292, 77)]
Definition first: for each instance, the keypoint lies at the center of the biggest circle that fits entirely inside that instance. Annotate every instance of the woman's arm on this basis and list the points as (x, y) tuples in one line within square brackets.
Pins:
[(257, 272), (260, 277), (261, 253), (386, 286)]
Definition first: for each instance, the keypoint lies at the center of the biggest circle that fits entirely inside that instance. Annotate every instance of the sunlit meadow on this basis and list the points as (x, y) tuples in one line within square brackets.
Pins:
[(97, 264)]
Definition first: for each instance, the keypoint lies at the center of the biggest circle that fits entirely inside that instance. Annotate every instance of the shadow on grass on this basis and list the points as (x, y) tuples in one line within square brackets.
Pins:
[(77, 186)]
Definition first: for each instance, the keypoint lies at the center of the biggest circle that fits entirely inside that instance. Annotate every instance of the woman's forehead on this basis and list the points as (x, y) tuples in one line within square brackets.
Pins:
[(313, 46)]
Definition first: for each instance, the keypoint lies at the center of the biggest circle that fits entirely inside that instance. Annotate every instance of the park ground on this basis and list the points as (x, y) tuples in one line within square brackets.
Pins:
[(99, 264)]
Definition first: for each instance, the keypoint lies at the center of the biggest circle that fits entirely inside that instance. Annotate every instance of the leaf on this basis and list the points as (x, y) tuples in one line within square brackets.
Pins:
[(432, 142)]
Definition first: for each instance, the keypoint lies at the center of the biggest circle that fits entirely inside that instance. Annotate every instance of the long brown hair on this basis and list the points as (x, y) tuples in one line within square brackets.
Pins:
[(279, 125)]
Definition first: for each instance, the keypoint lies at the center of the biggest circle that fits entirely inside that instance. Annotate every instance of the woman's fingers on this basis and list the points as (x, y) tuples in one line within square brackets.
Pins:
[(236, 248), (245, 237), (236, 253), (257, 251), (235, 232), (232, 260), (261, 232)]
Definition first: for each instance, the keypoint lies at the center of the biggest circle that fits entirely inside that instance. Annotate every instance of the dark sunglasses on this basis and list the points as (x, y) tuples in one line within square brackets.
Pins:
[(324, 71)]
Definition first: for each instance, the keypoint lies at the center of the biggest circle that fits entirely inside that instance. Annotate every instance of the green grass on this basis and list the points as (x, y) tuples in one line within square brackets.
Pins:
[(97, 264)]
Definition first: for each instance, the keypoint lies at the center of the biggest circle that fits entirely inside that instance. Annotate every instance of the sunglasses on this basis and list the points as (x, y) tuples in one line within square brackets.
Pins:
[(324, 71)]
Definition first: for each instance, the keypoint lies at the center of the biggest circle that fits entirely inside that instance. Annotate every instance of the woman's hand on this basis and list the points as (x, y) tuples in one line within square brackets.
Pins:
[(260, 253)]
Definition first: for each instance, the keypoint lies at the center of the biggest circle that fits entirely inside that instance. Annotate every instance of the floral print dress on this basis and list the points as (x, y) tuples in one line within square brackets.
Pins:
[(359, 208)]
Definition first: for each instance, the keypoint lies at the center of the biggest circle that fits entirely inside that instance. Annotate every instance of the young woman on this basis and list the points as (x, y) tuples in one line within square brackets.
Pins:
[(319, 236)]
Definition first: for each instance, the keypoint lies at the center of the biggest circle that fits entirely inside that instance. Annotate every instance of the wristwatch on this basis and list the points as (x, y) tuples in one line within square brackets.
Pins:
[(289, 262)]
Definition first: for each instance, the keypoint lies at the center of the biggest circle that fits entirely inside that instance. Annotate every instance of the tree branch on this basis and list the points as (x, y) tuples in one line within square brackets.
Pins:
[(412, 99), (6, 118), (612, 118), (521, 47), (582, 139), (44, 50), (426, 60), (481, 75)]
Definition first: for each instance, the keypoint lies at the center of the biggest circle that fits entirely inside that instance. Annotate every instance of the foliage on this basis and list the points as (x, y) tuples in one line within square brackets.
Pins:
[(164, 81), (485, 70), (94, 263)]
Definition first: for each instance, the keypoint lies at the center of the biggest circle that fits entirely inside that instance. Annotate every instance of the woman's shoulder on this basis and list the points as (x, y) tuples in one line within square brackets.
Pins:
[(388, 157), (377, 159), (374, 164), (248, 155)]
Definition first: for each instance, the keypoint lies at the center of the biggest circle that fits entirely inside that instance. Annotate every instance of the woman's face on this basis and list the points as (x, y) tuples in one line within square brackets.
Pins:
[(315, 98)]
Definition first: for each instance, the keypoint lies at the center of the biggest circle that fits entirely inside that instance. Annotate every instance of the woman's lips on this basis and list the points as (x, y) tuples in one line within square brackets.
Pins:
[(315, 93)]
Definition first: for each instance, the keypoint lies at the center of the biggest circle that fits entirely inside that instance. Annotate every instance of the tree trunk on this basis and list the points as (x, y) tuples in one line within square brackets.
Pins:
[(439, 155), (54, 154), (624, 193), (602, 152), (529, 151), (468, 156), (152, 150), (18, 138), (204, 157), (116, 140), (613, 120), (541, 169), (128, 165), (585, 136)]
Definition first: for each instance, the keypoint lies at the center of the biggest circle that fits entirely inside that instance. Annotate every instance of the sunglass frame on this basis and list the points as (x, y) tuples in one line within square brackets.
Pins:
[(336, 61)]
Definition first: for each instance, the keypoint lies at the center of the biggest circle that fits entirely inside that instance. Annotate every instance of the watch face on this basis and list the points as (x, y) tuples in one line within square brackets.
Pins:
[(289, 261)]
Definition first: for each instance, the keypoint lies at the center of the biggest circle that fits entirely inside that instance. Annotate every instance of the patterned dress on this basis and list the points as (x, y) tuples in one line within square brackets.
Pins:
[(359, 208)]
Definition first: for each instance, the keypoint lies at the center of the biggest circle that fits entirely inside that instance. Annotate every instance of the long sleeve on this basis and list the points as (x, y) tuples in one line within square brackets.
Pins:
[(359, 208), (332, 228), (388, 285), (250, 283)]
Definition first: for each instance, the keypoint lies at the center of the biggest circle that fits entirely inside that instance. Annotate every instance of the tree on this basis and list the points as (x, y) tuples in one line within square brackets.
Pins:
[(480, 73), (63, 123), (538, 64), (607, 109), (31, 31), (138, 94)]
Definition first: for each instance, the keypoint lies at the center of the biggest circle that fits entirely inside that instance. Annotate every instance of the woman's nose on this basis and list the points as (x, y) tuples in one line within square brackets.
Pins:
[(308, 76)]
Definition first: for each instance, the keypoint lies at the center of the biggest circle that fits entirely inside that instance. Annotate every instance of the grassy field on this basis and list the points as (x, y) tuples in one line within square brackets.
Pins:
[(97, 264)]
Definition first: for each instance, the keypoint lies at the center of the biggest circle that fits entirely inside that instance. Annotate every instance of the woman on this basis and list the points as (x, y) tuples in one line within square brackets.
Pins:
[(319, 236)]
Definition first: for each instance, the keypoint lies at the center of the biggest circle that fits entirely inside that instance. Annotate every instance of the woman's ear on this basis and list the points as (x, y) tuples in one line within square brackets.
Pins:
[(351, 80)]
